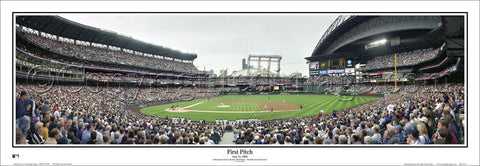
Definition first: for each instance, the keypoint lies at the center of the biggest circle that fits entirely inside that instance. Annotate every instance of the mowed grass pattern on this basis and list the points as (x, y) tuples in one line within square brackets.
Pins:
[(213, 106), (312, 104)]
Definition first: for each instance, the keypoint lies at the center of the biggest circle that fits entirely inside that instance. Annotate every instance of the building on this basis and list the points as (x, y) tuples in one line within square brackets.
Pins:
[(223, 73), (211, 73), (244, 64)]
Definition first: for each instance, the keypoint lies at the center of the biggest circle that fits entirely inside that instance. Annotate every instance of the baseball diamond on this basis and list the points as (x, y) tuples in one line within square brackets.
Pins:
[(252, 107)]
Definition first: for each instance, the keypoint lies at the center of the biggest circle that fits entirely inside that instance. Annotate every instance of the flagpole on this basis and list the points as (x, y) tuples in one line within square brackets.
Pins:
[(395, 73)]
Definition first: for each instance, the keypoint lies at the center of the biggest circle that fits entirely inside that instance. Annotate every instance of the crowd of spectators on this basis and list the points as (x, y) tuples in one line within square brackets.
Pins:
[(334, 88), (368, 88), (148, 79), (330, 80), (111, 56), (360, 88), (383, 89), (414, 118), (65, 115), (427, 75), (410, 88), (117, 77), (403, 59)]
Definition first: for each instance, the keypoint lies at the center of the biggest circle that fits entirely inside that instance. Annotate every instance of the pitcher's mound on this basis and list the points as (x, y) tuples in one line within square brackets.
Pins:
[(223, 106)]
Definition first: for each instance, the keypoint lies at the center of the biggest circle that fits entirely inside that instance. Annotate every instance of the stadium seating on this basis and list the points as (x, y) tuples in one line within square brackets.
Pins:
[(331, 80), (111, 56), (69, 110), (403, 59)]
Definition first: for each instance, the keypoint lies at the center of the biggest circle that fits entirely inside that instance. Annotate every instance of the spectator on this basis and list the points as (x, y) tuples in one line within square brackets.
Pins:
[(391, 137), (86, 134), (355, 139), (444, 137), (72, 139), (367, 140), (443, 124), (451, 126), (423, 135), (80, 130), (22, 115), (54, 135), (329, 140), (398, 132), (376, 135), (35, 137), (412, 136), (93, 138), (44, 130), (20, 138), (99, 138), (106, 139), (117, 138), (342, 139)]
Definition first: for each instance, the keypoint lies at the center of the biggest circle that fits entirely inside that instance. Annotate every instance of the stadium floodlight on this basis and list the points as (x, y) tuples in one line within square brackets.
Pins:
[(382, 41), (377, 43)]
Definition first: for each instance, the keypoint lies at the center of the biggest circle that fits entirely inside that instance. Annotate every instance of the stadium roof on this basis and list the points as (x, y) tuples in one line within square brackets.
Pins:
[(337, 28), (65, 28), (347, 36)]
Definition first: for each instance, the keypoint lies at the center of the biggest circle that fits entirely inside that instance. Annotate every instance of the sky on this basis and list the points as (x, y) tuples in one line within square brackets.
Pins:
[(222, 40)]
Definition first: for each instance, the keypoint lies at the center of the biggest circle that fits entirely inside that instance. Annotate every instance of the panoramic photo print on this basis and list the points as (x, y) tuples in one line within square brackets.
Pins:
[(239, 79)]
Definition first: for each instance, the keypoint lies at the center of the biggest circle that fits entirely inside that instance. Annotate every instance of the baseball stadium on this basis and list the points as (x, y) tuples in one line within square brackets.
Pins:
[(372, 79)]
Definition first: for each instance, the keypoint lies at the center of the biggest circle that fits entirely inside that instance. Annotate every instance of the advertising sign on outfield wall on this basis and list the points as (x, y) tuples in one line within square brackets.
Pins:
[(349, 70), (322, 72), (336, 71)]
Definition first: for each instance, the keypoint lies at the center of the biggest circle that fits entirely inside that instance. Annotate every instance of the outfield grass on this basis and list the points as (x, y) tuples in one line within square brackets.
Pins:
[(233, 106), (312, 104)]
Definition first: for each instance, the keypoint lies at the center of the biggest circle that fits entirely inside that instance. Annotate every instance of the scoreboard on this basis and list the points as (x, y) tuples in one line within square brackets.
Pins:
[(336, 64), (330, 66)]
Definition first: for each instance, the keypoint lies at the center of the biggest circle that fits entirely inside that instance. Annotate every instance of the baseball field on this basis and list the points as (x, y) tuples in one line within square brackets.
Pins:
[(265, 107)]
